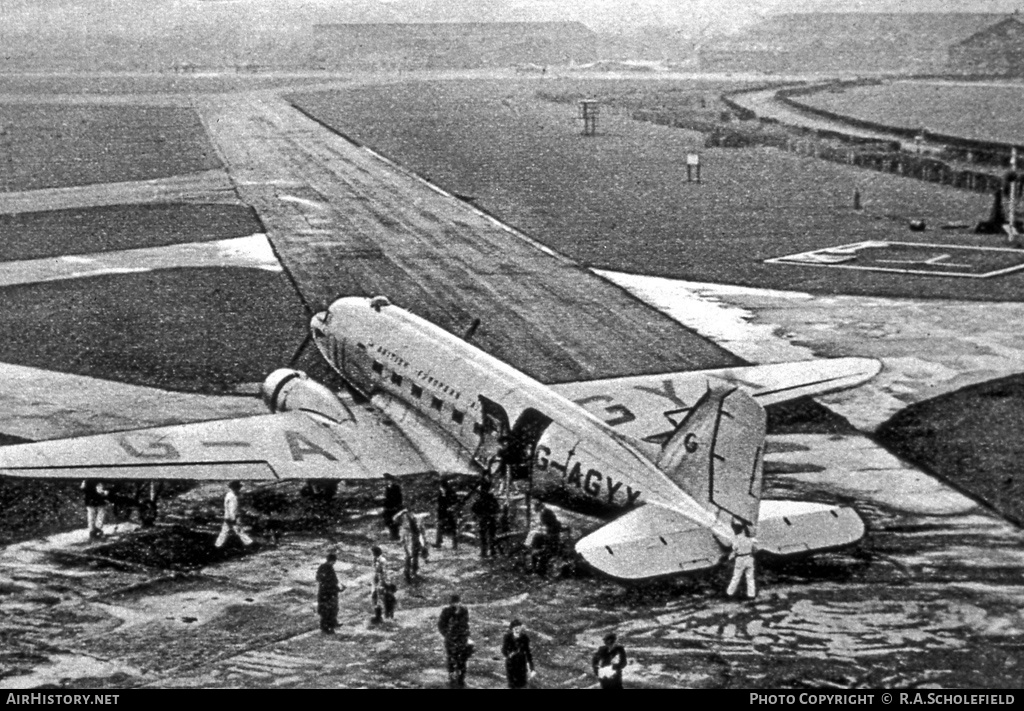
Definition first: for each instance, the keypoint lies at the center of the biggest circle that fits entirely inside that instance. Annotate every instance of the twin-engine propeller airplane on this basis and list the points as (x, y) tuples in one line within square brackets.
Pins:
[(680, 453)]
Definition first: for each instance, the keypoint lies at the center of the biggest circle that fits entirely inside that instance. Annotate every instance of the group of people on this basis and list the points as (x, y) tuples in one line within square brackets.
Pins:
[(453, 623)]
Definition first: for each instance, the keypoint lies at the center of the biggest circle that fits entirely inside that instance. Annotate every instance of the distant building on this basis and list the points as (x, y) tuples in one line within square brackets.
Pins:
[(842, 42), (451, 45), (998, 49)]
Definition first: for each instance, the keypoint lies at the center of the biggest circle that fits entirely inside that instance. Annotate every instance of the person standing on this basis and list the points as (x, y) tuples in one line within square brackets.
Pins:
[(486, 509), (95, 495), (447, 514), (412, 542), (380, 583), (327, 594), (608, 662), (743, 546), (518, 659), (392, 504), (232, 518), (453, 624), (552, 530)]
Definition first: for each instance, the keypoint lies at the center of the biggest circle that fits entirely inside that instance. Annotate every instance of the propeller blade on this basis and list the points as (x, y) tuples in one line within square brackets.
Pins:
[(301, 350)]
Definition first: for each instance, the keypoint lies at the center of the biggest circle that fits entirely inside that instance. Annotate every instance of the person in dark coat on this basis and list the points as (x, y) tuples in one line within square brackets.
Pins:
[(392, 504), (608, 662), (486, 509), (96, 499), (518, 660), (552, 529), (453, 624), (447, 514), (327, 594)]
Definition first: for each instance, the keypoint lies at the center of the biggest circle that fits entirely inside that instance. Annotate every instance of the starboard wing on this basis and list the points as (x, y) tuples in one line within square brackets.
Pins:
[(651, 541), (288, 445), (648, 407), (794, 527)]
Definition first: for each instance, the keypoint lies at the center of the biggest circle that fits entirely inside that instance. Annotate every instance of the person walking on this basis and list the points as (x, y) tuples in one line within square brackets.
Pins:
[(232, 518), (380, 584), (742, 555), (453, 624), (515, 647), (327, 594), (608, 662), (486, 509), (392, 504), (96, 497), (447, 514)]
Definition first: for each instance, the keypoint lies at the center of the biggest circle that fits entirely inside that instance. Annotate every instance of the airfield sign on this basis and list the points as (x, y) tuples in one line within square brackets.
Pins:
[(913, 258)]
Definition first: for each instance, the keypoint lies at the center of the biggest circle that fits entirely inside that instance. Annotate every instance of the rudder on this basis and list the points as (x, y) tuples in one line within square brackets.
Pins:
[(716, 454)]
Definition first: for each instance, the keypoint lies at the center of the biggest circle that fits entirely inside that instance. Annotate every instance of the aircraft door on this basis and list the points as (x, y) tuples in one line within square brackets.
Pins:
[(522, 445), (495, 428)]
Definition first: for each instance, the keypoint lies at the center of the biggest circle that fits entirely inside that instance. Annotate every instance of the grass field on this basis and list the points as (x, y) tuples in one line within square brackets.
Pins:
[(970, 438), (194, 330), (53, 145), (620, 200), (981, 112), (35, 235)]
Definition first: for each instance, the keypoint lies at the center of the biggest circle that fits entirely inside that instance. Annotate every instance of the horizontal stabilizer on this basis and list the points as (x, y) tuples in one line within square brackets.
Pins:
[(793, 527), (648, 542)]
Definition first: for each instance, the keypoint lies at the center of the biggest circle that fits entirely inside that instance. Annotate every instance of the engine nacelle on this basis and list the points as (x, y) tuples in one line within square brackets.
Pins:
[(287, 390)]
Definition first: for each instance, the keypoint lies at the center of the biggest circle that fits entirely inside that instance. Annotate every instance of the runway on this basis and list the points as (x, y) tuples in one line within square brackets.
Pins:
[(345, 222)]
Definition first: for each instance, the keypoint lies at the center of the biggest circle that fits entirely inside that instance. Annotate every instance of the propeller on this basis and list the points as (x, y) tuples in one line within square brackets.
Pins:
[(301, 350)]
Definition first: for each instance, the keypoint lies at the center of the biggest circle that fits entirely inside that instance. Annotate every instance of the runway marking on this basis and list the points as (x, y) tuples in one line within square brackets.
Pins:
[(913, 258)]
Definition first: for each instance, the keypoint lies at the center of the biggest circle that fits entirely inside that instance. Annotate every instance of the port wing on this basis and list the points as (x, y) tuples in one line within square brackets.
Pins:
[(289, 445)]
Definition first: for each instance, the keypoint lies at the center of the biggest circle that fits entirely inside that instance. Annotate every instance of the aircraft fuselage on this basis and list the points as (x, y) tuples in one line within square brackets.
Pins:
[(472, 397)]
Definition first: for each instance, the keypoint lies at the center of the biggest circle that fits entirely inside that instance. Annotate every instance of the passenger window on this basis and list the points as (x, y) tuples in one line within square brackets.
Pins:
[(396, 378), (436, 403), (457, 416), (378, 367), (417, 391)]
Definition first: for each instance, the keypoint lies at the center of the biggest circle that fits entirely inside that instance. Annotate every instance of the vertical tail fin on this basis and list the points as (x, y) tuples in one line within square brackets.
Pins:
[(716, 453)]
